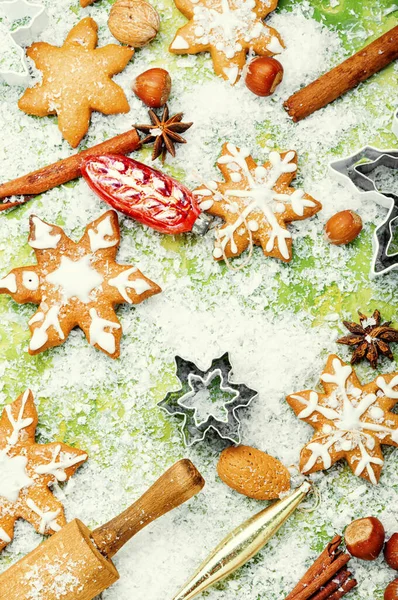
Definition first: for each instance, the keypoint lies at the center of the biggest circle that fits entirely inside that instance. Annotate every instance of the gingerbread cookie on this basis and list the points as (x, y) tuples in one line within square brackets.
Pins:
[(27, 470), (77, 284), (256, 202), (351, 420), (228, 29), (77, 80)]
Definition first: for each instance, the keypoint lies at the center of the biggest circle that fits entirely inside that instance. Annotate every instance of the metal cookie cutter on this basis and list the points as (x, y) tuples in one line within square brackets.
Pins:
[(207, 400), (34, 19), (395, 123), (356, 170)]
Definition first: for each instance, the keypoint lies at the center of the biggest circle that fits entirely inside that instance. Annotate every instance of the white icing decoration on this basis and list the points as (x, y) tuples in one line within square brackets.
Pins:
[(9, 283), (76, 279), (4, 537), (347, 407), (57, 467), (122, 283), (232, 74), (275, 46), (388, 388), (13, 476), (179, 43), (97, 238), (40, 335), (98, 335), (206, 204), (30, 280), (47, 518), (20, 423), (225, 25), (260, 197), (44, 239)]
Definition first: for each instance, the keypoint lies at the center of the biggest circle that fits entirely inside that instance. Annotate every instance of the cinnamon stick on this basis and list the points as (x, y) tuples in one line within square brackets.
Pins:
[(323, 578), (329, 554), (332, 586), (345, 588), (344, 77), (64, 170)]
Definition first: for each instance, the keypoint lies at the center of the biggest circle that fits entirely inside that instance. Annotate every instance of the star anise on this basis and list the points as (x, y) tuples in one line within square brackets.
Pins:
[(164, 131), (371, 338)]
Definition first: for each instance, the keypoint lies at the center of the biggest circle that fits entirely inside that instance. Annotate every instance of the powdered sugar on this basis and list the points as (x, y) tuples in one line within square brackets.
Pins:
[(270, 317)]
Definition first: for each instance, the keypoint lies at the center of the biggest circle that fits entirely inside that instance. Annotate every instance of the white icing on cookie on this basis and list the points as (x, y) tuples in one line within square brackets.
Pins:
[(19, 423), (122, 283), (47, 518), (104, 230), (179, 43), (9, 283), (76, 279), (13, 476), (353, 415), (57, 467), (232, 74), (40, 335), (4, 537), (98, 335), (30, 280), (275, 46), (44, 239)]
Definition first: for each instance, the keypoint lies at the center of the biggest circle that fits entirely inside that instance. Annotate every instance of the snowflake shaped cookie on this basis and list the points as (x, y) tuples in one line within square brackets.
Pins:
[(228, 29), (351, 420), (256, 202), (77, 80), (208, 400), (27, 470), (77, 284)]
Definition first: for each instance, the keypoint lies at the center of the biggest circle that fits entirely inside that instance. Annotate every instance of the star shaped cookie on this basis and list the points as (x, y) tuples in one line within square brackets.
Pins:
[(77, 284), (228, 29), (351, 420), (77, 80), (27, 470), (256, 202)]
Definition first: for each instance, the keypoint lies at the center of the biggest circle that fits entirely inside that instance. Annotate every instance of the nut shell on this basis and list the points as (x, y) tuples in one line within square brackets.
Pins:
[(364, 538), (343, 227), (133, 22), (253, 473), (391, 552), (391, 592), (263, 75), (153, 87)]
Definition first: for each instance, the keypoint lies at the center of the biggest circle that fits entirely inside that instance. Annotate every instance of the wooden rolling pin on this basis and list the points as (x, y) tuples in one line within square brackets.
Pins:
[(74, 564)]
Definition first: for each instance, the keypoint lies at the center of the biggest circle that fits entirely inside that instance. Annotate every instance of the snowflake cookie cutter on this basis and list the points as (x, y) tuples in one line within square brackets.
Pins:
[(215, 387), (24, 35), (356, 171)]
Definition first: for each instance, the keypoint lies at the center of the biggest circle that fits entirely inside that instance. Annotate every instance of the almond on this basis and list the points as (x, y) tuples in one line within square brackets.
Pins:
[(343, 227), (253, 473)]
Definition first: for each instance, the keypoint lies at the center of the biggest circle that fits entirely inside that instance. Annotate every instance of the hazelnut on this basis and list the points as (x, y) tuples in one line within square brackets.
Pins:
[(391, 591), (263, 75), (391, 552), (133, 22), (343, 227), (153, 87), (364, 538)]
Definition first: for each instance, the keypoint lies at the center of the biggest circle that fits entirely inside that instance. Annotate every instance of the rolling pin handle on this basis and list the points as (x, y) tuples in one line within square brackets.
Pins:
[(173, 488)]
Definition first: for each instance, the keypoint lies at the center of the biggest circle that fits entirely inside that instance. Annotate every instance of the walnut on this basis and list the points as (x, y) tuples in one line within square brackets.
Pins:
[(133, 22)]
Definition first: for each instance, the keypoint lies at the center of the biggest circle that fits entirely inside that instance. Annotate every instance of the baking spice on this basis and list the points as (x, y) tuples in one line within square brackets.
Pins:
[(344, 77), (165, 132), (371, 338)]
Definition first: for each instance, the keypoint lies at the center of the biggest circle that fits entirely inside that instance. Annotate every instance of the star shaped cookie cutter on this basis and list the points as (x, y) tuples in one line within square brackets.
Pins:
[(23, 35), (213, 387), (356, 170)]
